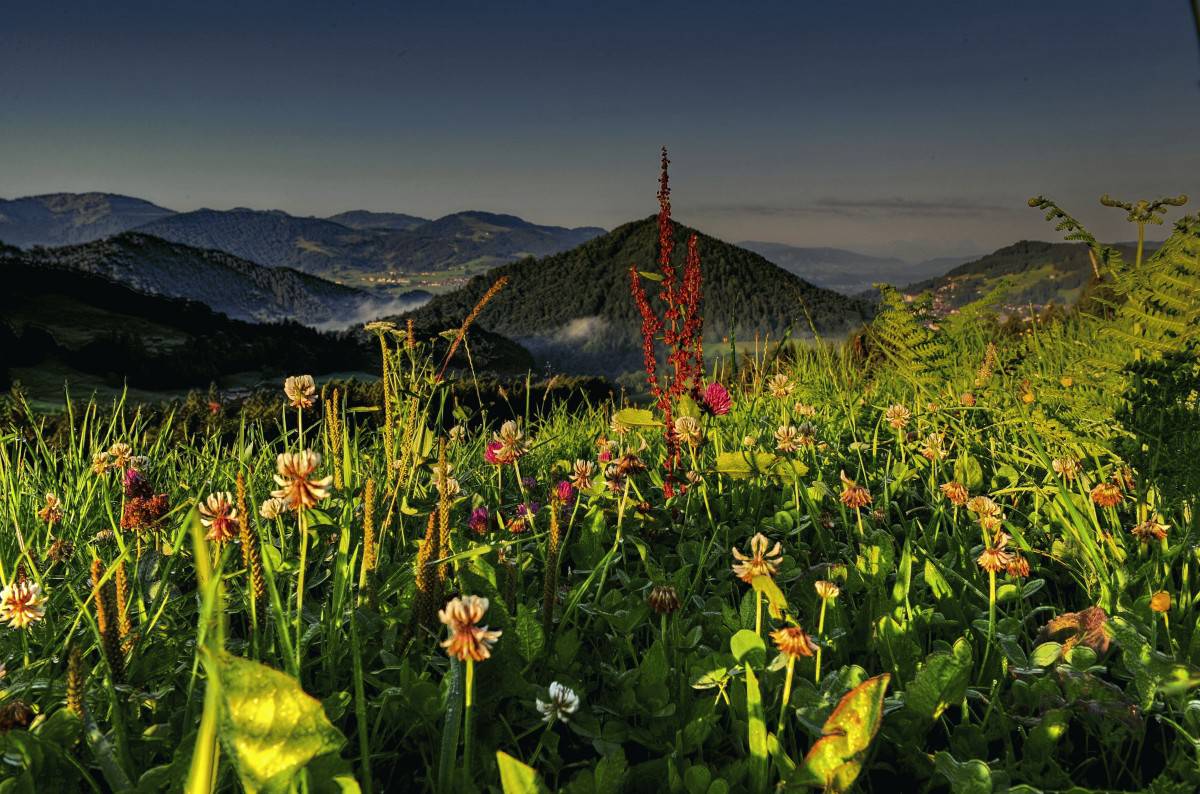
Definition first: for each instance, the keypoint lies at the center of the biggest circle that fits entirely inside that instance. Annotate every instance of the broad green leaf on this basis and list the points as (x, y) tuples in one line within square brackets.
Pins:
[(968, 472), (937, 583), (517, 778), (966, 777), (636, 417), (270, 727), (741, 465), (746, 642), (1046, 654), (836, 759), (610, 773), (941, 682), (757, 738), (776, 601), (687, 407), (530, 637)]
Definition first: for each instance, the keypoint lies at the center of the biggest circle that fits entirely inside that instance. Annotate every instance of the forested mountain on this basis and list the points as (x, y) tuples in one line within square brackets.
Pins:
[(847, 272), (235, 287), (67, 218), (365, 219), (574, 309)]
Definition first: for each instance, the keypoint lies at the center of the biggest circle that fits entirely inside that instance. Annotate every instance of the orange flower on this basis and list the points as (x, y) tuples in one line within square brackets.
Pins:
[(853, 495), (967, 399), (1107, 494), (22, 604), (220, 516), (467, 640), (794, 642), (995, 559), (897, 416), (1018, 566), (761, 562), (294, 476), (52, 513), (956, 493), (1149, 530), (1161, 601)]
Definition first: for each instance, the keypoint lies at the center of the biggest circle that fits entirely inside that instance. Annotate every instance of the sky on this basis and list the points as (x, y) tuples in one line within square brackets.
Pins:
[(907, 129)]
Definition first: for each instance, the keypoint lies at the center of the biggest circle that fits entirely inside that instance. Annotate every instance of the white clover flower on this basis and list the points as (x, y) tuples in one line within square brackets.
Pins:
[(563, 703)]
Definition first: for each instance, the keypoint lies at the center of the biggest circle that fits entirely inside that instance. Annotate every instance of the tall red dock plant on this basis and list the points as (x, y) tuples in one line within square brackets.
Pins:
[(680, 327)]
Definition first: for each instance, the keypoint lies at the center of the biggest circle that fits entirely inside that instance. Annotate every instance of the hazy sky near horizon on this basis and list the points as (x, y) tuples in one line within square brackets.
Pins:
[(912, 129)]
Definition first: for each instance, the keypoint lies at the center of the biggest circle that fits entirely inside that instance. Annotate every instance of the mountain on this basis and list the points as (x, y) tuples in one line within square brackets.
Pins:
[(235, 287), (67, 218), (365, 219), (1038, 274), (574, 310), (848, 272)]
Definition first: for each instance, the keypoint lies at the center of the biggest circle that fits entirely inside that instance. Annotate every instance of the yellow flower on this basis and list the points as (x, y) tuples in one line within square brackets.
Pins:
[(1161, 601), (794, 642), (300, 390), (826, 590), (467, 640), (295, 479), (761, 562), (22, 604), (994, 558), (955, 492), (853, 495)]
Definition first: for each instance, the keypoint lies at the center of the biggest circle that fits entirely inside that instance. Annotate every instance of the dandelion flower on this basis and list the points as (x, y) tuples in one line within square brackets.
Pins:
[(897, 416), (220, 516), (294, 475), (468, 640), (761, 562), (300, 390), (562, 704), (794, 642), (22, 604), (787, 438), (853, 495)]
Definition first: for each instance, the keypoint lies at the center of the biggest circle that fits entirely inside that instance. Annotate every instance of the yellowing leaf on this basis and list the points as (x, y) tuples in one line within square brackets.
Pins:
[(776, 600), (515, 777), (636, 417), (741, 465), (836, 758)]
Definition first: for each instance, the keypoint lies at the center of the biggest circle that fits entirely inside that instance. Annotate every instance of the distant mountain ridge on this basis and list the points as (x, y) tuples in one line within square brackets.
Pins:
[(240, 289), (848, 272), (355, 246), (574, 310)]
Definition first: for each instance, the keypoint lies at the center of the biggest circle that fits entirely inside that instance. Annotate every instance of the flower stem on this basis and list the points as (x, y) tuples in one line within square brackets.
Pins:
[(758, 612), (302, 525), (787, 694), (820, 636), (468, 703)]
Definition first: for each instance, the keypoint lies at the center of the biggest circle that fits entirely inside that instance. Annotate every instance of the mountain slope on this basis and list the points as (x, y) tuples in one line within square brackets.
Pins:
[(1039, 273), (365, 219), (235, 287), (847, 272), (68, 218), (574, 309)]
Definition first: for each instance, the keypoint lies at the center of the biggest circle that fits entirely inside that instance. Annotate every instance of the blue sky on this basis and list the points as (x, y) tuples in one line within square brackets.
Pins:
[(914, 129)]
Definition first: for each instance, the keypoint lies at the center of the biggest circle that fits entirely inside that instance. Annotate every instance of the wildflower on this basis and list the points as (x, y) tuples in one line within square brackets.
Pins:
[(853, 495), (897, 416), (994, 558), (52, 513), (457, 434), (749, 440), (1123, 477), (582, 473), (1150, 529), (273, 507), (1066, 467), (100, 463), (563, 702), (617, 427), (120, 455), (826, 590), (806, 434), (22, 603), (478, 521), (688, 430), (761, 562), (295, 479), (143, 513), (787, 438), (967, 399), (1161, 601), (933, 447), (663, 599), (805, 410), (955, 492), (716, 400), (523, 519), (780, 387), (794, 642), (564, 493), (16, 714), (300, 390), (629, 463), (60, 550), (509, 444), (467, 640), (984, 506), (1107, 494), (491, 453), (1017, 566), (136, 485), (220, 516), (694, 477)]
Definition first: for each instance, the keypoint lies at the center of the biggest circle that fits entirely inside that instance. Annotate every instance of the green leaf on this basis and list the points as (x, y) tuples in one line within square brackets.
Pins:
[(1046, 654), (941, 682), (776, 601), (757, 732), (610, 773), (742, 465), (270, 727), (530, 636), (968, 472), (636, 417), (517, 778), (746, 642), (686, 406), (967, 777), (836, 759)]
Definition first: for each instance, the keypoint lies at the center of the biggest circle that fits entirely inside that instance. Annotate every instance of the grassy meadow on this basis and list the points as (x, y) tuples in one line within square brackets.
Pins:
[(945, 554)]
